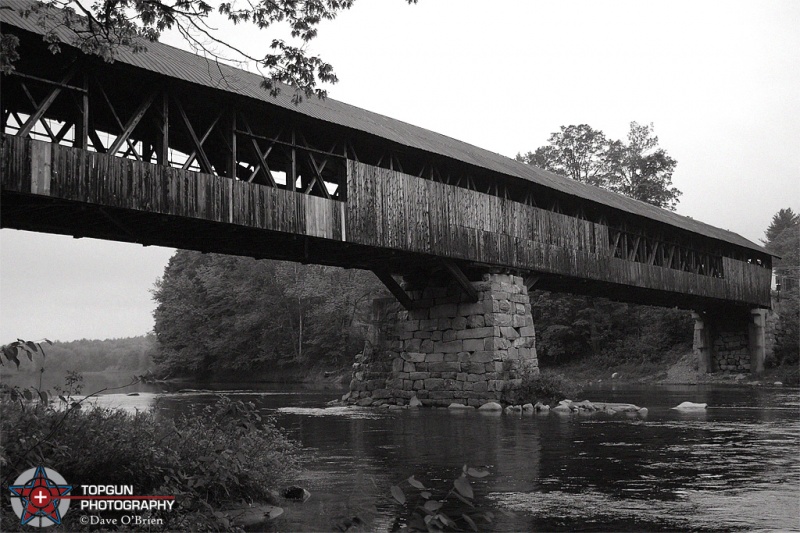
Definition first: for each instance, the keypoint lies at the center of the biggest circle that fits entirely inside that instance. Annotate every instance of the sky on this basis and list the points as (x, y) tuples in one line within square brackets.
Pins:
[(720, 81)]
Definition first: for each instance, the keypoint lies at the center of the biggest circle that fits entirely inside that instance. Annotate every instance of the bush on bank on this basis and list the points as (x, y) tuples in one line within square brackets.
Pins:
[(220, 456), (541, 386)]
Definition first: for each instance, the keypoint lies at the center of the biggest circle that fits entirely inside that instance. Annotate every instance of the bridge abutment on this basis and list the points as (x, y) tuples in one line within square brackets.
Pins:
[(448, 349), (731, 341)]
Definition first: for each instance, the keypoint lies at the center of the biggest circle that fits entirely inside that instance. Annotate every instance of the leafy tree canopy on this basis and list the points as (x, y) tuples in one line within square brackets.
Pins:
[(220, 313), (783, 239), (103, 27), (638, 168), (579, 152)]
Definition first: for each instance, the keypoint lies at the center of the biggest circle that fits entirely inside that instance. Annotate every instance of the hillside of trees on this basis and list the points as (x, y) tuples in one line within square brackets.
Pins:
[(224, 313), (133, 354)]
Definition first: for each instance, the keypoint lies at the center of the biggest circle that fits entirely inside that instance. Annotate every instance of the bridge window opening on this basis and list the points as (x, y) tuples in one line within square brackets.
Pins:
[(46, 129), (280, 178), (658, 252)]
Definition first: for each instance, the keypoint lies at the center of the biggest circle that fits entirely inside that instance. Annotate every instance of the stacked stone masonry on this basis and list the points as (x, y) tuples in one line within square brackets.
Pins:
[(730, 352), (770, 331), (450, 349), (733, 340)]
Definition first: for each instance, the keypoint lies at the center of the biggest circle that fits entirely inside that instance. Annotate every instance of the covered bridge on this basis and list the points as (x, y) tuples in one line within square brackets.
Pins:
[(166, 148)]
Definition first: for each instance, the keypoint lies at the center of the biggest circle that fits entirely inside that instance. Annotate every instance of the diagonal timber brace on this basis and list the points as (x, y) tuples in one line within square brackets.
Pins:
[(395, 288), (37, 115), (531, 281), (131, 124), (461, 279)]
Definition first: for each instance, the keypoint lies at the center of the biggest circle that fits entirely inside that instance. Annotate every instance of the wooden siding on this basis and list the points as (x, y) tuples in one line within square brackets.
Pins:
[(73, 174), (385, 210), (389, 209)]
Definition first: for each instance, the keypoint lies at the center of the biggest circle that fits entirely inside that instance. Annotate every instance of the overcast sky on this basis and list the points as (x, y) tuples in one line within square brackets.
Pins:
[(719, 79)]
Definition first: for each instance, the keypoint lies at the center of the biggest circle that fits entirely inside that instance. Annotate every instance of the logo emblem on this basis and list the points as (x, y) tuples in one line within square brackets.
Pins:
[(39, 497)]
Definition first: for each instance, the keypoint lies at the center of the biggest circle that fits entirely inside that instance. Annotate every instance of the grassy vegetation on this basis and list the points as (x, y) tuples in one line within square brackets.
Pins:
[(604, 365), (205, 460)]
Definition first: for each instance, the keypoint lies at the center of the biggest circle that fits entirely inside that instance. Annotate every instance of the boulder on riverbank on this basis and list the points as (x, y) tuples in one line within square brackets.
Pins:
[(491, 406), (296, 494)]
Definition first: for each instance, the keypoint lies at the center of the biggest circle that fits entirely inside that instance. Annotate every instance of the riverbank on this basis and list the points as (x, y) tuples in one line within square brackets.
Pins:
[(674, 369), (684, 372)]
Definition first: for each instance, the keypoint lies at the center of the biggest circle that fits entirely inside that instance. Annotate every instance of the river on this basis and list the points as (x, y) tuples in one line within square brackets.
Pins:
[(734, 466)]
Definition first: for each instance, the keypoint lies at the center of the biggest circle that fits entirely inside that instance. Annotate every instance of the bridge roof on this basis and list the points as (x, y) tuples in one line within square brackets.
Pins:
[(189, 67)]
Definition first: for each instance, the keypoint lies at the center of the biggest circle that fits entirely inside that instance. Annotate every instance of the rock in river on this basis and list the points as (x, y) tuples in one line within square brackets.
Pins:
[(690, 406), (296, 493)]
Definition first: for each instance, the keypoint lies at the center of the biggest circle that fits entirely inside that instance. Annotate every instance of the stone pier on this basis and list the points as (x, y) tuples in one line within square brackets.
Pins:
[(732, 341), (448, 349)]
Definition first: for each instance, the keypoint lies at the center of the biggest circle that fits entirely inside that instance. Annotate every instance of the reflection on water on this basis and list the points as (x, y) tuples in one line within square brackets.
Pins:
[(351, 413), (734, 466)]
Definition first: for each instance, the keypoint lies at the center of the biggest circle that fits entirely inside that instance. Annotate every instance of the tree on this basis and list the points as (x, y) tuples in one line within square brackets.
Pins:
[(570, 326), (782, 220), (103, 27), (783, 239), (643, 170), (218, 312), (638, 169), (578, 152)]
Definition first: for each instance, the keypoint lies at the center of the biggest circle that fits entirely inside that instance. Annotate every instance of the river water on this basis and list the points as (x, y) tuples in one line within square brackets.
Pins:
[(734, 466)]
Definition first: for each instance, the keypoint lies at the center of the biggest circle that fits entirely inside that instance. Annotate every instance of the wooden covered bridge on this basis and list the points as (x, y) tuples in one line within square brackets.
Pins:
[(164, 148)]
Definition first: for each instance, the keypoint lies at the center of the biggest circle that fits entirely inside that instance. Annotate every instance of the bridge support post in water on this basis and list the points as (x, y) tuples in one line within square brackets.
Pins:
[(757, 340), (730, 341), (702, 343), (448, 348)]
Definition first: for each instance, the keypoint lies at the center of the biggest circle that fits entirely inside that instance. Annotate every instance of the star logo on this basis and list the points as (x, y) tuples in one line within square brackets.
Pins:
[(37, 497)]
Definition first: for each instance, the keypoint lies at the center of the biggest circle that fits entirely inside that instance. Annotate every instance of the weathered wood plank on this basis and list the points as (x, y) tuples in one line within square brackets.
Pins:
[(386, 209)]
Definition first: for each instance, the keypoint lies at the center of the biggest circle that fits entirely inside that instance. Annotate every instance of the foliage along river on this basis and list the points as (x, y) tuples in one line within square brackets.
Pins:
[(734, 466)]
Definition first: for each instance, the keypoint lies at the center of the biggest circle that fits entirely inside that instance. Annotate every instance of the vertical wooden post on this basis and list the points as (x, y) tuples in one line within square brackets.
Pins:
[(81, 139), (163, 152), (703, 342), (756, 335), (291, 170), (341, 191), (232, 161), (2, 102)]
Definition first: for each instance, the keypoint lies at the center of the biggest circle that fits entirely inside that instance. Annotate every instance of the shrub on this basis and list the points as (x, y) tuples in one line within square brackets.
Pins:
[(544, 386), (219, 456)]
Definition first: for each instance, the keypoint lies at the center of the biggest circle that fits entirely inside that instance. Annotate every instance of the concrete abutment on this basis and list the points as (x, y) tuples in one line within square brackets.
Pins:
[(448, 349)]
